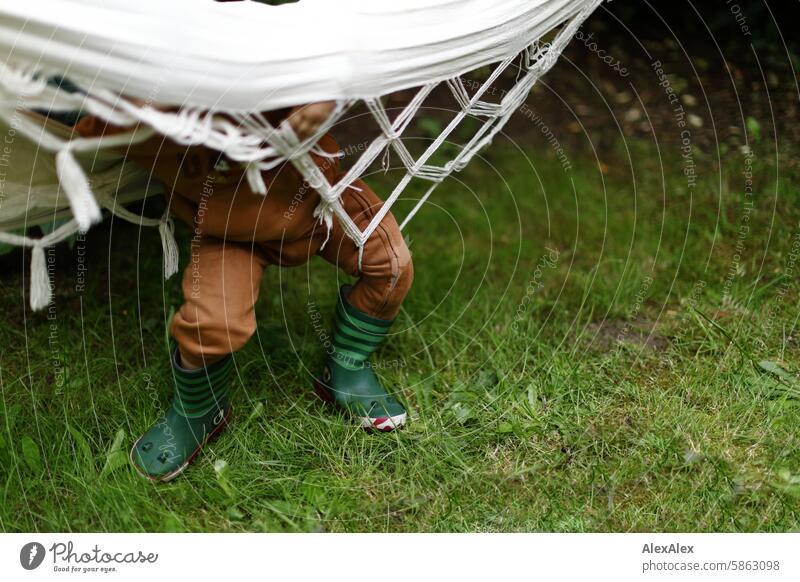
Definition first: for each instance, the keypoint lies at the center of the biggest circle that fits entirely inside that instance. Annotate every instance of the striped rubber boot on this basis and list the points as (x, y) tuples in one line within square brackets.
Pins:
[(348, 378), (200, 410)]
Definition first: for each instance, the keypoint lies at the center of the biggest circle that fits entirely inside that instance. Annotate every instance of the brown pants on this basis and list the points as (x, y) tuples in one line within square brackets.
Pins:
[(237, 233), (221, 282)]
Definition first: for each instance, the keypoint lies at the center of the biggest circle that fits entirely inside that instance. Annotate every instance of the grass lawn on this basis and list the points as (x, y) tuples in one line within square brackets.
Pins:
[(598, 349)]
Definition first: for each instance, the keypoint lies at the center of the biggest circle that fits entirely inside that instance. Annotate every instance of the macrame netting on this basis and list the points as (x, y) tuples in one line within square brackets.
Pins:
[(354, 52)]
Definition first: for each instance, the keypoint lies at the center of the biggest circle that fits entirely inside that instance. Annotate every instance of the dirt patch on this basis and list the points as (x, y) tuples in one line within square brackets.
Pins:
[(641, 333)]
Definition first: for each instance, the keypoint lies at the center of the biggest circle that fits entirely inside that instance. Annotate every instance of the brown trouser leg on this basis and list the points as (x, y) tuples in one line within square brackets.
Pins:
[(220, 289), (386, 268), (221, 282)]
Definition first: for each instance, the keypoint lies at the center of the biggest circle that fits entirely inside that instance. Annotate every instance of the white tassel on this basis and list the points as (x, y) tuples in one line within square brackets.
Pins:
[(169, 247), (84, 207), (324, 213), (254, 179), (41, 291)]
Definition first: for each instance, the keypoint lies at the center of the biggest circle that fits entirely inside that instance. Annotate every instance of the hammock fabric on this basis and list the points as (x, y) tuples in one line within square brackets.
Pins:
[(220, 66)]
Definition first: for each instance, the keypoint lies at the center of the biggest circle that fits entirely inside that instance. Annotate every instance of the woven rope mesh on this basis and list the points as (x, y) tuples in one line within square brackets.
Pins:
[(420, 135), (478, 105)]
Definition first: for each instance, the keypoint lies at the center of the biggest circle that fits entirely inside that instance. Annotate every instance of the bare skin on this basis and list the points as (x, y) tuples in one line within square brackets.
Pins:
[(307, 119)]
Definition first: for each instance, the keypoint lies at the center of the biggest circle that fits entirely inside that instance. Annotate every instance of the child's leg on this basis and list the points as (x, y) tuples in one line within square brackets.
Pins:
[(365, 311), (386, 268), (220, 287)]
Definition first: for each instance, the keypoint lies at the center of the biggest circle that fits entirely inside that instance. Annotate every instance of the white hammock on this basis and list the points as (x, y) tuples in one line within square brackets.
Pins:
[(241, 59)]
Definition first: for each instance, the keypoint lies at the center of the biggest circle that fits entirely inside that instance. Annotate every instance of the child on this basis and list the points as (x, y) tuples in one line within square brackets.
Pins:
[(237, 233)]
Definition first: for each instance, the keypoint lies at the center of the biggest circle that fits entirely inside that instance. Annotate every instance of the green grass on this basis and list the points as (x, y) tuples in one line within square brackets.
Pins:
[(615, 388)]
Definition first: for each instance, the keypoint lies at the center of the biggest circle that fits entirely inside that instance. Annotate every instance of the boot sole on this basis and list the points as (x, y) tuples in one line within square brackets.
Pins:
[(382, 424), (170, 476)]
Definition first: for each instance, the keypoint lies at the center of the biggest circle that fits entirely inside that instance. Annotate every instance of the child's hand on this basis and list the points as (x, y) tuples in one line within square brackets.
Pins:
[(306, 119)]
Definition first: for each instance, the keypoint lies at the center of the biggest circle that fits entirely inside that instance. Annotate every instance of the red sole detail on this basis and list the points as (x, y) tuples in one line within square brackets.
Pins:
[(170, 476), (322, 391), (376, 429), (326, 395)]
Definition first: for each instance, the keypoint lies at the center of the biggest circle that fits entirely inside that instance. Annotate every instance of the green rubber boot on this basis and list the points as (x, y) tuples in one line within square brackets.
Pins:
[(199, 411), (348, 378)]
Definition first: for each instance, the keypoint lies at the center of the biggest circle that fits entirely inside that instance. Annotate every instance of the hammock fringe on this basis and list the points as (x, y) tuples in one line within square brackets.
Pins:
[(41, 287), (166, 228), (219, 102), (76, 185)]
